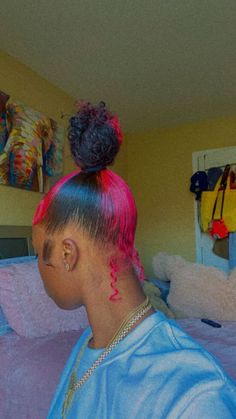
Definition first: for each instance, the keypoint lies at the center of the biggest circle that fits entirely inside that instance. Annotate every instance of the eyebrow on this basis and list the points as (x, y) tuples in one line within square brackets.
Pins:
[(47, 250)]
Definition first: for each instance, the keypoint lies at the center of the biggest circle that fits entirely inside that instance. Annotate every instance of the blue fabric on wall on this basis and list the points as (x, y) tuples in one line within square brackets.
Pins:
[(232, 250), (20, 259)]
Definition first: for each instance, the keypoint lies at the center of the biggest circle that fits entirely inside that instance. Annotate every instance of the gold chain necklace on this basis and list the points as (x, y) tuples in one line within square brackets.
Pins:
[(123, 330)]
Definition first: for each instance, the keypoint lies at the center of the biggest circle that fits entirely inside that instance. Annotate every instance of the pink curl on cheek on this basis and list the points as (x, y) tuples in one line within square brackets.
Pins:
[(43, 206)]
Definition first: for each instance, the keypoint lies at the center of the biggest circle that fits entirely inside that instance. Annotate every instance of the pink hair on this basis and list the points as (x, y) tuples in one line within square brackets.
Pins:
[(45, 203), (117, 192), (115, 124)]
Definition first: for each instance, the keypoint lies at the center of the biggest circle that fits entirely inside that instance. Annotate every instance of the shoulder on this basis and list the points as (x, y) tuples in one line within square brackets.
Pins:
[(162, 342), (210, 402), (173, 373), (188, 348)]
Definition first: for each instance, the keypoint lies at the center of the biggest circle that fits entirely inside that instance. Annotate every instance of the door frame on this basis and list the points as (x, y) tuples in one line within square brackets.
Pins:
[(196, 157)]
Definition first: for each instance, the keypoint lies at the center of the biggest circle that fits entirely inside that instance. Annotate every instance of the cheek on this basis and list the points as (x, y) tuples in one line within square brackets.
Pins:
[(53, 286), (56, 289), (45, 276)]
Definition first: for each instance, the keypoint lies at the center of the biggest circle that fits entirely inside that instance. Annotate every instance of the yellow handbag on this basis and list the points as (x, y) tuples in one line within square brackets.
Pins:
[(219, 204)]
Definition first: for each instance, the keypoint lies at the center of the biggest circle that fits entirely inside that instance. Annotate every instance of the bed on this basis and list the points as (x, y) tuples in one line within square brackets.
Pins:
[(33, 350)]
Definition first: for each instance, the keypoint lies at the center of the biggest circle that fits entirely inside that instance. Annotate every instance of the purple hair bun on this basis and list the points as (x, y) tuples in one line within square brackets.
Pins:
[(95, 137)]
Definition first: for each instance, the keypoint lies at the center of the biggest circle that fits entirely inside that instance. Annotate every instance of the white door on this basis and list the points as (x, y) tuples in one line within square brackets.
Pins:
[(204, 160)]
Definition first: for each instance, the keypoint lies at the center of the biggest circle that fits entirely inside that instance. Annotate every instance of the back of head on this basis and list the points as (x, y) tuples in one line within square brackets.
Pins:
[(93, 197)]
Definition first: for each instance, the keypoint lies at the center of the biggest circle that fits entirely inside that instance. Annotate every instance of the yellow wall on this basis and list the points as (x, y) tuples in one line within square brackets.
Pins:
[(17, 206), (157, 165), (159, 171), (21, 83)]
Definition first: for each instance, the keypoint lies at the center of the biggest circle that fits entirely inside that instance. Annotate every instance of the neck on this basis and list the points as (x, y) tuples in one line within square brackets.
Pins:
[(105, 316)]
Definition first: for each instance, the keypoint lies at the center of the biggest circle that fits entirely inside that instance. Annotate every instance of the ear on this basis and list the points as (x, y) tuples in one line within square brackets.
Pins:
[(70, 254)]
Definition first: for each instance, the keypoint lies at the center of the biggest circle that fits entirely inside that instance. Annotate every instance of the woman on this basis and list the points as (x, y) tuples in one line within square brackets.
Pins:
[(132, 362)]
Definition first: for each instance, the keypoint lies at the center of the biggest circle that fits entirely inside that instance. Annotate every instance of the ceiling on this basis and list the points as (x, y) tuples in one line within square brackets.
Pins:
[(154, 62)]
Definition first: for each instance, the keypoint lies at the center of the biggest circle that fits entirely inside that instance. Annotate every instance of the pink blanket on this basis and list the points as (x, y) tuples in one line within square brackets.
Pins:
[(29, 372)]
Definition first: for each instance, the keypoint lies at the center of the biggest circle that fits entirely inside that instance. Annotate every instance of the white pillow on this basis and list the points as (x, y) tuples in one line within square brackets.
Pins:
[(202, 291), (28, 309)]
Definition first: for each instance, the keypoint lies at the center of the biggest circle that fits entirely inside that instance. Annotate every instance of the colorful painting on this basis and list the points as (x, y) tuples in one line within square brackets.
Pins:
[(31, 148)]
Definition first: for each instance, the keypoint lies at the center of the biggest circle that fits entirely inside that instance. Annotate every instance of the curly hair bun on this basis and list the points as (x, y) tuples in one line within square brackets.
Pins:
[(94, 135)]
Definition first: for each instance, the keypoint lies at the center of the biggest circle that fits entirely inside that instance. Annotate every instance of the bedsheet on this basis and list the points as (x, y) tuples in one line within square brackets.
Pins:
[(29, 373), (220, 342)]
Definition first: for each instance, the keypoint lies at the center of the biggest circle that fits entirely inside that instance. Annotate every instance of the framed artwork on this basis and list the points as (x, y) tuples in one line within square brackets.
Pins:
[(31, 147)]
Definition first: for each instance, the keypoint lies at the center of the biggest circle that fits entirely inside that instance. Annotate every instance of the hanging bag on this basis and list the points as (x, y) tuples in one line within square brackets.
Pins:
[(216, 227), (219, 205)]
